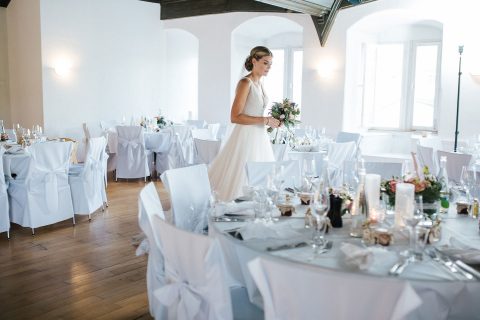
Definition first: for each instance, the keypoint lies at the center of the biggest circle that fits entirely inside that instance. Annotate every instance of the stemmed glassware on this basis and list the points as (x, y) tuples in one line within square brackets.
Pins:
[(412, 221), (467, 182), (319, 206)]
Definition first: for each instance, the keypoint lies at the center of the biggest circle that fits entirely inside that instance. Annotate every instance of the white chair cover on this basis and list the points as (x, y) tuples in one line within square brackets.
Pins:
[(204, 134), (343, 136), (258, 172), (4, 216), (279, 151), (133, 160), (455, 162), (338, 153), (44, 196), (190, 191), (194, 272), (221, 133), (149, 205), (427, 157), (108, 124), (314, 293), (160, 143), (214, 128), (206, 150), (199, 124), (387, 170), (87, 181)]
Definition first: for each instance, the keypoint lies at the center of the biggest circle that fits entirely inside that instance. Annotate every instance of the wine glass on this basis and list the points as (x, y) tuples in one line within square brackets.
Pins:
[(466, 181), (319, 206), (412, 221), (309, 169)]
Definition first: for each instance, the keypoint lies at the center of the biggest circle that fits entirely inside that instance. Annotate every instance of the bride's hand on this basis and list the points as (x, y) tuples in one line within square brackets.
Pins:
[(274, 123)]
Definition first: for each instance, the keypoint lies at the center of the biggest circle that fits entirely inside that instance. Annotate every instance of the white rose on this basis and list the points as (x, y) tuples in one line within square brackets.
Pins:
[(282, 116)]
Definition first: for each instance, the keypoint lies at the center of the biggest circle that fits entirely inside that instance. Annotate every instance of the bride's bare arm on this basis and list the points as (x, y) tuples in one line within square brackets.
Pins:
[(237, 115)]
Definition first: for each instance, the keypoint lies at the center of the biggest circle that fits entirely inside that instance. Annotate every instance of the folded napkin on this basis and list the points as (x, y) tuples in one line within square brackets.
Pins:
[(357, 257), (461, 251), (265, 231), (14, 149), (244, 208)]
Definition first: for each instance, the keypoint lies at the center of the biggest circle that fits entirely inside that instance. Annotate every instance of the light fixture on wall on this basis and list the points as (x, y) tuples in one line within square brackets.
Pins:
[(326, 68), (62, 68)]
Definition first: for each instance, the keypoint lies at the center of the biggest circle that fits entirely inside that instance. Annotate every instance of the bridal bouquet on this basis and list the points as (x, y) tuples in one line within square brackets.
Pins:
[(286, 112)]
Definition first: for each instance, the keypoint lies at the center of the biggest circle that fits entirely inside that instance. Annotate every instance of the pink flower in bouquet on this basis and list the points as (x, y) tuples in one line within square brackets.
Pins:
[(393, 185)]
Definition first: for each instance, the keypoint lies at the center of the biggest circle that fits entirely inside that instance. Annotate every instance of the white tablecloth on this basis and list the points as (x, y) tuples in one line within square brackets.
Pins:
[(442, 294)]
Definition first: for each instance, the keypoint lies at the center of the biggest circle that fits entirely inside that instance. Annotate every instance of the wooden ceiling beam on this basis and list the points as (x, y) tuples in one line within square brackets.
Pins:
[(4, 3)]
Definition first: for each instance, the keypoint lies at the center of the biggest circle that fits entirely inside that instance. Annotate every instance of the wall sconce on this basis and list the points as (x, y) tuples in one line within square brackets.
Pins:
[(62, 68), (326, 68)]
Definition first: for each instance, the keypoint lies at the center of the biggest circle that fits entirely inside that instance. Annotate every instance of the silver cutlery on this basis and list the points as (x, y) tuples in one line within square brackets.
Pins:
[(445, 262), (399, 267), (288, 246), (467, 268), (452, 265), (228, 219)]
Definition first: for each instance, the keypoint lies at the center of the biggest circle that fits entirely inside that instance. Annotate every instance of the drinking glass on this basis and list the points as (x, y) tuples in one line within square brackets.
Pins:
[(412, 221), (309, 169), (319, 206), (466, 181)]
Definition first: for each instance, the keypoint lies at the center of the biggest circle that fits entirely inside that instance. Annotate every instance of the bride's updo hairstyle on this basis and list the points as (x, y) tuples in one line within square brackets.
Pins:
[(256, 53)]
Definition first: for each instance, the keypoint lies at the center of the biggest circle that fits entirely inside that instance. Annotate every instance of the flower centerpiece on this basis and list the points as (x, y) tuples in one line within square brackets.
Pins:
[(286, 112), (163, 122), (428, 187)]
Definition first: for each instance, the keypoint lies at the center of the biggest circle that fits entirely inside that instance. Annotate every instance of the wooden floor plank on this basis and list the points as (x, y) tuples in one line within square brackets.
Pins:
[(86, 271)]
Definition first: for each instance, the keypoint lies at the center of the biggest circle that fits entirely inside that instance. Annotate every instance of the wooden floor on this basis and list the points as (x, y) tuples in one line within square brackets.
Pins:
[(86, 271)]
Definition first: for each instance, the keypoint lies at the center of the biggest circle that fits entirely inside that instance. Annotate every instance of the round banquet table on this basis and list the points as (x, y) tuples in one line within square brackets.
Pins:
[(443, 294)]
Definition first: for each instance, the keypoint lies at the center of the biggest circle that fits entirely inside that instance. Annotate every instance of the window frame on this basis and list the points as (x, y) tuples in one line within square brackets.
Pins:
[(408, 85)]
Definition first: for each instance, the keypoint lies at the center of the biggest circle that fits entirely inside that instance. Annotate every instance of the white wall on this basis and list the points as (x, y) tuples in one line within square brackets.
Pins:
[(5, 113), (115, 51), (24, 58), (181, 74)]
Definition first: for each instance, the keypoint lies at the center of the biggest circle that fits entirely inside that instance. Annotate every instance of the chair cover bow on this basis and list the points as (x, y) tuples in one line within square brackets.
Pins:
[(50, 183), (189, 299), (129, 145)]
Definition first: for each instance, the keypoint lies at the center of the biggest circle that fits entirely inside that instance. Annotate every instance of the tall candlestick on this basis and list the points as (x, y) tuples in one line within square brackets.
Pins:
[(372, 189), (404, 201)]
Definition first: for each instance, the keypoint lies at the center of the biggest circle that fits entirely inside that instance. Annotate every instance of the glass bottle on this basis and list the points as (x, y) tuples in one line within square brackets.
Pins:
[(444, 191), (359, 210)]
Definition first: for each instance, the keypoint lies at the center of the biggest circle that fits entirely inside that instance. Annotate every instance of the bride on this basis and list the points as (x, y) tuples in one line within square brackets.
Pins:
[(249, 140)]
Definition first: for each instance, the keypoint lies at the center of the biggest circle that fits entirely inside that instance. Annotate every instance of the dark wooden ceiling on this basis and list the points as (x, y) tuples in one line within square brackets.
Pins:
[(322, 17), (4, 3)]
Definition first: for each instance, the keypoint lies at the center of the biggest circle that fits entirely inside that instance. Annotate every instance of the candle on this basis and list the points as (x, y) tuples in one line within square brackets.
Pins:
[(404, 200), (190, 114), (372, 189)]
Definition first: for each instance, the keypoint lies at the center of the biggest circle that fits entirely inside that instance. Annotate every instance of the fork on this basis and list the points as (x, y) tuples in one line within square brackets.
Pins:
[(452, 266)]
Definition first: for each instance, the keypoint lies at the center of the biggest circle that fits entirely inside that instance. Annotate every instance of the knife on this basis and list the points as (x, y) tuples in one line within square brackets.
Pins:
[(466, 267), (288, 246), (454, 268)]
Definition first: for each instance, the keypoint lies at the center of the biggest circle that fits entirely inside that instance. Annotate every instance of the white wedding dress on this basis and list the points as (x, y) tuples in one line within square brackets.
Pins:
[(246, 143)]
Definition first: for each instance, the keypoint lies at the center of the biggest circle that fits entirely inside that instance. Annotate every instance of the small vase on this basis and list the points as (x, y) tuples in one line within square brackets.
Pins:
[(431, 209), (335, 212)]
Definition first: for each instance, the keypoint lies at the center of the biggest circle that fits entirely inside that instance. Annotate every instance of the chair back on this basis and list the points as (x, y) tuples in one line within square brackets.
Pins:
[(49, 171), (343, 136), (190, 192), (427, 157), (387, 170), (338, 153), (258, 172), (195, 275), (455, 162), (132, 159), (149, 206), (206, 150), (4, 216), (204, 134), (198, 124), (214, 128), (282, 286)]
